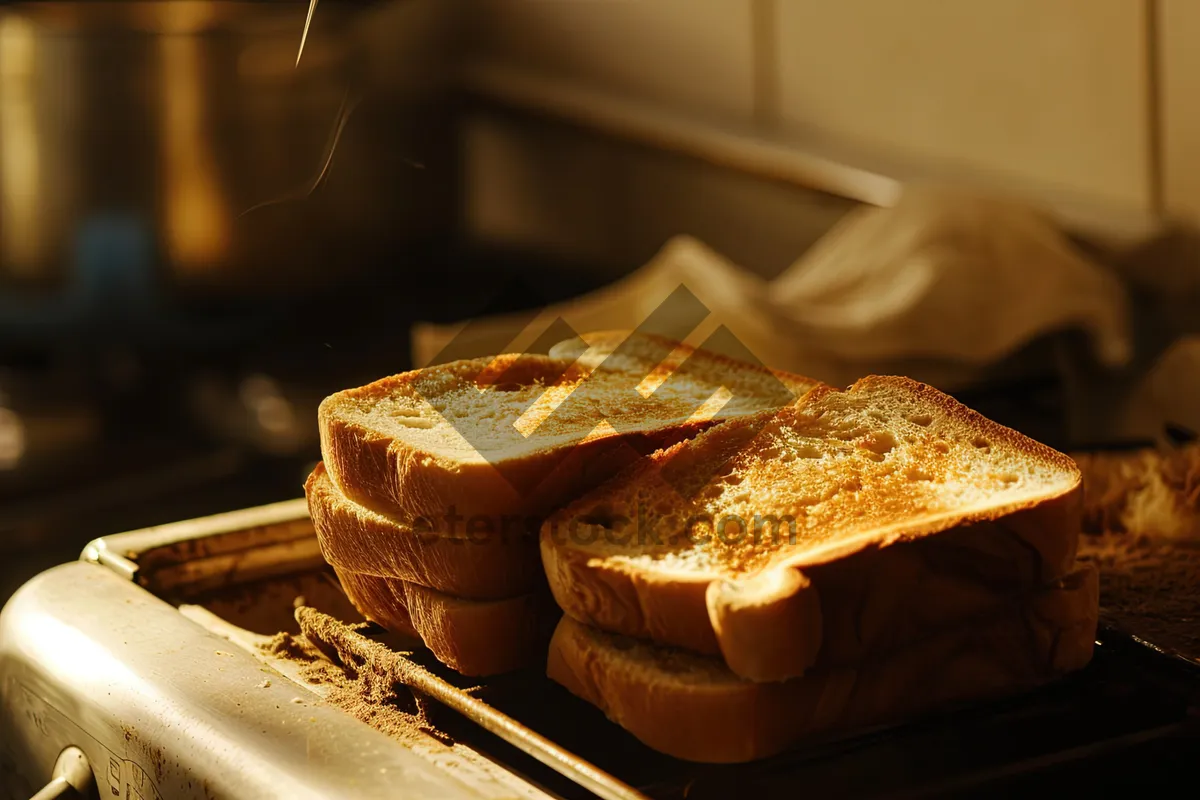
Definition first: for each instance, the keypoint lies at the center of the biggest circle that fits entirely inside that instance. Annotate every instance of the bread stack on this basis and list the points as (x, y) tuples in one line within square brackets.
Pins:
[(434, 483), (857, 557), (739, 558)]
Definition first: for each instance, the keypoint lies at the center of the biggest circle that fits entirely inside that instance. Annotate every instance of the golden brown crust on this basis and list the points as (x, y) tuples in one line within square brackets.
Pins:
[(749, 616), (728, 724), (388, 476), (871, 603), (407, 483), (725, 720), (917, 581), (642, 603), (474, 638), (969, 416), (479, 566)]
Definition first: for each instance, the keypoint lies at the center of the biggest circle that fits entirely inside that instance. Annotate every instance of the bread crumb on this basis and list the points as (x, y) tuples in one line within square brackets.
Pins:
[(290, 646), (1142, 530), (365, 695), (266, 684)]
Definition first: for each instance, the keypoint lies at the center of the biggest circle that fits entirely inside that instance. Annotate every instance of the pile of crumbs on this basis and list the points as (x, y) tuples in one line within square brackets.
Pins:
[(364, 694), (1142, 530), (291, 647)]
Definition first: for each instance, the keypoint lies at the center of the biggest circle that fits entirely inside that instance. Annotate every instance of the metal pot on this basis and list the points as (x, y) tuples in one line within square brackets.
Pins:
[(153, 153)]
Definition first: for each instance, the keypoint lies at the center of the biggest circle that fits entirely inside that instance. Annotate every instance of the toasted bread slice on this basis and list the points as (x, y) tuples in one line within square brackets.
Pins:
[(475, 638), (693, 707), (657, 357), (472, 565), (495, 441), (775, 539)]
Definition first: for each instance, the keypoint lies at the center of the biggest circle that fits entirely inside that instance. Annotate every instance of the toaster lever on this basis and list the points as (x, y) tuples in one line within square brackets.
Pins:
[(72, 778)]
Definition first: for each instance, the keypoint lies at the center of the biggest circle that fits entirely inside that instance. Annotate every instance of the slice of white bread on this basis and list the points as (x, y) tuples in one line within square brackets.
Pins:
[(473, 637), (500, 441), (658, 357), (473, 566), (693, 707), (911, 512)]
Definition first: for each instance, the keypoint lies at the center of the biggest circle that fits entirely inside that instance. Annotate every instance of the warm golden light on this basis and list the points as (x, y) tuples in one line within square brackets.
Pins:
[(197, 225), (659, 375), (177, 16), (22, 238), (541, 409), (710, 407)]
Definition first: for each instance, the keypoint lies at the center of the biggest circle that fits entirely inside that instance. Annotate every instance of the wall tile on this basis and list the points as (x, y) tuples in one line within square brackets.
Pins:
[(694, 55), (1035, 95), (1179, 32)]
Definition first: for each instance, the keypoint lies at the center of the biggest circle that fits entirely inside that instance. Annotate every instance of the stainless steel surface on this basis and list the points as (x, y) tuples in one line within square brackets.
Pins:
[(159, 703), (164, 707), (212, 551), (490, 779), (198, 555), (352, 648), (156, 693)]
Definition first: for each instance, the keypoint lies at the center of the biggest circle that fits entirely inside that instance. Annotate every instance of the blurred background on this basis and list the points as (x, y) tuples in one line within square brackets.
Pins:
[(200, 236)]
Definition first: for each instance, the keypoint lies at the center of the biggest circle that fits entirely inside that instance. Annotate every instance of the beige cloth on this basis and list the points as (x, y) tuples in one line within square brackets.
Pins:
[(947, 274), (944, 277)]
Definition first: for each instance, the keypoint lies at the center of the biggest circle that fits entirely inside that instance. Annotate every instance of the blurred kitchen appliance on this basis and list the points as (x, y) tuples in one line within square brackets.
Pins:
[(159, 161), (163, 241)]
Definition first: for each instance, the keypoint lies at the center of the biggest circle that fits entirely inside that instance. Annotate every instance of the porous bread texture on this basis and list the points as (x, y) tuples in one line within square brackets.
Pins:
[(831, 487), (517, 435), (693, 707), (473, 565), (886, 452), (474, 638)]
